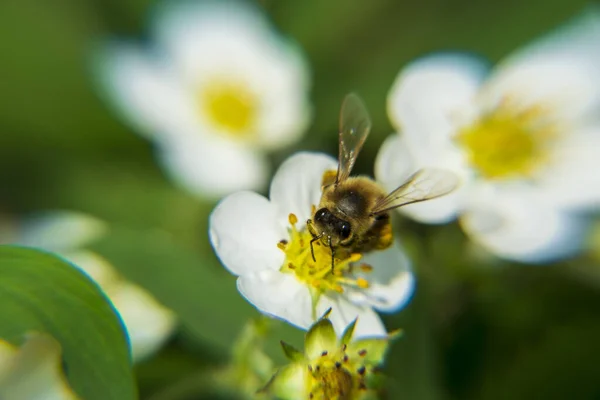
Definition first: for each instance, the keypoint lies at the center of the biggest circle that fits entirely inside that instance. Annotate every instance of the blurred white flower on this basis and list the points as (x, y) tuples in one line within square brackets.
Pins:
[(524, 139), (148, 323), (218, 88), (266, 244), (33, 371)]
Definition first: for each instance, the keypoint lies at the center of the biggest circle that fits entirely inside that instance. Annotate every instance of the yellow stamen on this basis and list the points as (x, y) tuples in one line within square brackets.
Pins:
[(319, 273), (366, 268), (231, 106), (508, 142), (354, 257), (362, 283), (329, 177)]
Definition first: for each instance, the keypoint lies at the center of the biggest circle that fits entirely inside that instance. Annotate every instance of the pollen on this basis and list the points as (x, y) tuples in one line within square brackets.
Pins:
[(293, 219), (229, 105), (318, 273), (366, 267), (362, 283), (508, 142)]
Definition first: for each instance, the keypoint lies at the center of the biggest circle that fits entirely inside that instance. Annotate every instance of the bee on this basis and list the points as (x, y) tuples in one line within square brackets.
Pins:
[(353, 213)]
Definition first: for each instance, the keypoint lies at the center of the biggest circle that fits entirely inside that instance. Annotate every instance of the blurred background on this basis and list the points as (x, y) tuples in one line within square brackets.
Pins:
[(477, 328)]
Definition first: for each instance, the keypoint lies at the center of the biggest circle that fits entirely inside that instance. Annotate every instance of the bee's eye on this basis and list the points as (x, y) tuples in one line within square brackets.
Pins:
[(345, 230), (320, 214)]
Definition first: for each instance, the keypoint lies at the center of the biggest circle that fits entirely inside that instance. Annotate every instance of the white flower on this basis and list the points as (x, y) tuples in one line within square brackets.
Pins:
[(217, 89), (148, 322), (33, 371), (266, 244), (523, 138)]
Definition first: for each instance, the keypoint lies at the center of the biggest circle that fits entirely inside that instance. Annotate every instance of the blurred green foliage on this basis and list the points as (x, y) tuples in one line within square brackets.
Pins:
[(476, 329)]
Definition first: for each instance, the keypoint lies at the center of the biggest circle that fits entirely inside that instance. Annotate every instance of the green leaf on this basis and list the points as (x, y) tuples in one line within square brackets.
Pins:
[(39, 292)]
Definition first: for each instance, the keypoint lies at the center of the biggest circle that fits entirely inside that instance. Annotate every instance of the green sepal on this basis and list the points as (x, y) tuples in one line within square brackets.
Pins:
[(320, 338), (292, 353), (349, 332), (288, 382), (370, 351), (326, 313)]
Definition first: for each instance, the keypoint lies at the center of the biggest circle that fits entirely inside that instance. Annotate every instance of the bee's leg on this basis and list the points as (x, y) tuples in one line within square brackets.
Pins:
[(312, 250), (311, 230), (332, 256)]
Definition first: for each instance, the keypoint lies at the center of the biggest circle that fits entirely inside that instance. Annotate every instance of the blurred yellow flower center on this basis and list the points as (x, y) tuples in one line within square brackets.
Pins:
[(319, 272), (507, 143), (336, 376), (231, 106)]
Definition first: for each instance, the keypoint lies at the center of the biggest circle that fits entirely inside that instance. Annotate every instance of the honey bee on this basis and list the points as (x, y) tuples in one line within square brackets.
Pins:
[(353, 213)]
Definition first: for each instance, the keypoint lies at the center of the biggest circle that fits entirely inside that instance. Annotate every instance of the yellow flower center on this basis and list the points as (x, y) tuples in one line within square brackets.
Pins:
[(508, 143), (231, 106), (319, 273), (336, 377)]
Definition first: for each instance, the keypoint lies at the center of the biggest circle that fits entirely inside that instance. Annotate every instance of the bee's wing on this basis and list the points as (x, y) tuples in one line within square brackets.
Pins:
[(425, 184), (355, 125)]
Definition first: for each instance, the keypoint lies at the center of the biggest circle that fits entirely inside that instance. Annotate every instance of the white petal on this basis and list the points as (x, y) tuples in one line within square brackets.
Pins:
[(518, 223), (343, 313), (283, 83), (431, 97), (395, 163), (234, 41), (59, 230), (148, 323), (391, 283), (285, 116), (225, 31), (33, 372), (148, 94), (244, 232), (297, 184), (213, 167), (560, 70), (571, 178), (279, 295)]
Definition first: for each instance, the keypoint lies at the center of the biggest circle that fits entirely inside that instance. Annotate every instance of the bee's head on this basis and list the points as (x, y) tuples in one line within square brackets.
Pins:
[(331, 229)]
